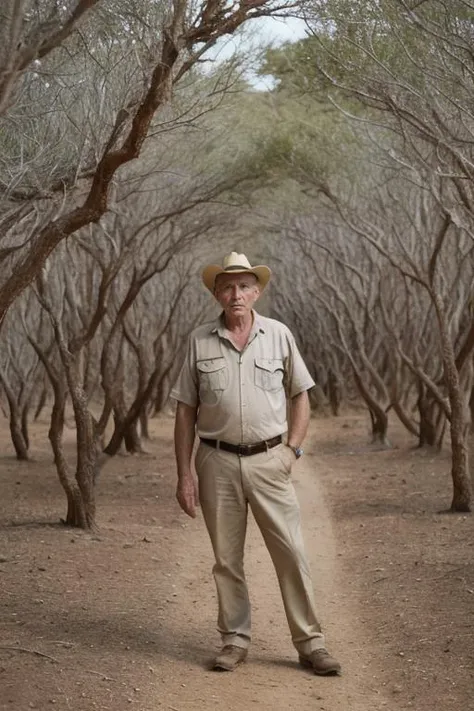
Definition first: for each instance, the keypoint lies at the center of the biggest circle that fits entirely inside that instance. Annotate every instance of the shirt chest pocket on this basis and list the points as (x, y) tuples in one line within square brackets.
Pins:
[(269, 373), (213, 377)]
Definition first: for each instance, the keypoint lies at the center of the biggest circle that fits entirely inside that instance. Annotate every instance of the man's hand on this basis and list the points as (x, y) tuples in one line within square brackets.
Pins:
[(184, 432), (187, 494)]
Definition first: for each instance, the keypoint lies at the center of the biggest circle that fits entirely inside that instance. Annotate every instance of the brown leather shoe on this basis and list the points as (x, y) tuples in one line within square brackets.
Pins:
[(321, 662), (229, 658)]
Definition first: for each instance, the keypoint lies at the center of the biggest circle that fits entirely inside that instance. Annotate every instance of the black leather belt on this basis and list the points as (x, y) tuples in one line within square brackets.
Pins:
[(243, 450)]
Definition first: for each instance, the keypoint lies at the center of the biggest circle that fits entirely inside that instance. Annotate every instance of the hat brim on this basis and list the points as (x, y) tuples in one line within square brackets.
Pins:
[(212, 271)]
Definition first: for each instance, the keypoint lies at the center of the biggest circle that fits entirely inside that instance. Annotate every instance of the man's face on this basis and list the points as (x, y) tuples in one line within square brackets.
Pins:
[(236, 293)]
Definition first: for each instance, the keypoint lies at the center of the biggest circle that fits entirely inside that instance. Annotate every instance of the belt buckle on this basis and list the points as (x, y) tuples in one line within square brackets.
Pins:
[(244, 450)]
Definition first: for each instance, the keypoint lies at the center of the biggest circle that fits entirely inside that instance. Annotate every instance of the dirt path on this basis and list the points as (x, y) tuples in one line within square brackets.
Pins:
[(271, 679), (126, 618)]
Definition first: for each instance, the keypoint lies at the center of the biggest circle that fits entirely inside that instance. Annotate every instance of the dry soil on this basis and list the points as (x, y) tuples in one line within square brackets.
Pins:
[(125, 618)]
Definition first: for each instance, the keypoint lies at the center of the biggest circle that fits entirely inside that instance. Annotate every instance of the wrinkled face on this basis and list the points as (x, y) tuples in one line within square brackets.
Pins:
[(236, 293)]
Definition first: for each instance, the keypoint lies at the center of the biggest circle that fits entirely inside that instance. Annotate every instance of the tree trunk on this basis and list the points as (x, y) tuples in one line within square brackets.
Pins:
[(429, 420), (24, 425), (82, 504), (76, 513), (159, 399), (87, 465), (379, 421), (334, 392), (441, 423), (462, 486), (21, 448), (471, 408), (144, 424), (104, 416), (460, 473), (162, 391), (15, 421), (131, 438), (125, 430), (87, 454), (378, 416), (405, 418), (120, 425), (41, 403), (123, 424)]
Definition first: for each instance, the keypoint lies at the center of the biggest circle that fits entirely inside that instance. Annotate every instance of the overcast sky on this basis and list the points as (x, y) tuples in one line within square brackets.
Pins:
[(280, 30), (264, 30)]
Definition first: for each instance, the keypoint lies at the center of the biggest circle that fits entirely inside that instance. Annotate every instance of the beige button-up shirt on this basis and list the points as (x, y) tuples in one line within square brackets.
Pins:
[(241, 395)]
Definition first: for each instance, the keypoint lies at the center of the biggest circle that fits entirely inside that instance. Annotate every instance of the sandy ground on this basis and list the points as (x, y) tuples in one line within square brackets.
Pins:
[(126, 618)]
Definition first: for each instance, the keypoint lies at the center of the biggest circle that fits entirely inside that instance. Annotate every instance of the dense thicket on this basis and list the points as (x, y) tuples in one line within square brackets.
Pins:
[(126, 165)]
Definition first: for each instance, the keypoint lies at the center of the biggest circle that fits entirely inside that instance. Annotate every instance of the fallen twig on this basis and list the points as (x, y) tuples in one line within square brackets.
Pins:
[(92, 671), (53, 659), (29, 651)]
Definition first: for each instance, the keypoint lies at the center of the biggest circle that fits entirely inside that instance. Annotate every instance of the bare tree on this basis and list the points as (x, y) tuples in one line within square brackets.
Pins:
[(403, 75), (30, 31), (421, 254), (188, 32)]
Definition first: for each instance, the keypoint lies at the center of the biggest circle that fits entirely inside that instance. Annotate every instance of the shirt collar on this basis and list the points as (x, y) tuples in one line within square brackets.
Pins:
[(257, 326)]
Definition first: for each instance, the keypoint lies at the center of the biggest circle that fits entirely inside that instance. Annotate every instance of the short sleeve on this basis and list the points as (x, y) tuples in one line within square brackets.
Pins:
[(185, 388), (298, 377)]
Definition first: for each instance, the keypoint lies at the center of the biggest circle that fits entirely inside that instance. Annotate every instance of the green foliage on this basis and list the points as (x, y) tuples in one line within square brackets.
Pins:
[(379, 45)]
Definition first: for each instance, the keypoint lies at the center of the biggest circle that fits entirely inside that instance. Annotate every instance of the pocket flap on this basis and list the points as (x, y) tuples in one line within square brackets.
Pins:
[(211, 365), (269, 364)]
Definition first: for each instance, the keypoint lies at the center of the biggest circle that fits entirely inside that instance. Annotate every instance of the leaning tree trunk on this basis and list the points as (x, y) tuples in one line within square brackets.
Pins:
[(462, 487), (104, 416), (76, 512), (432, 420), (131, 438), (471, 408), (378, 416), (16, 433), (87, 460), (24, 425), (462, 493), (133, 414), (142, 383), (334, 392), (405, 418), (125, 430), (144, 423), (19, 444), (121, 426), (162, 389), (41, 403), (379, 420), (160, 398), (87, 453)]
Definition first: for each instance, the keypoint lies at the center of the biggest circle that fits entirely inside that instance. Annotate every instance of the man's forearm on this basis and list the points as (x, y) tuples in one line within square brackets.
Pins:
[(184, 434), (299, 419)]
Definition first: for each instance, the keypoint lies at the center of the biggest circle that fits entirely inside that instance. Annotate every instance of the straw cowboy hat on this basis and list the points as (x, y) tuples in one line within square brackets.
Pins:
[(235, 263)]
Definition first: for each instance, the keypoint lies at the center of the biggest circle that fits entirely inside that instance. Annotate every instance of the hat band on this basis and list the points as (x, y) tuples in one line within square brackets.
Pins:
[(237, 266)]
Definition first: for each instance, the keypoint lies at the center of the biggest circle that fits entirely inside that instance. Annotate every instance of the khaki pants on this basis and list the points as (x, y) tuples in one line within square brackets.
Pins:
[(228, 484)]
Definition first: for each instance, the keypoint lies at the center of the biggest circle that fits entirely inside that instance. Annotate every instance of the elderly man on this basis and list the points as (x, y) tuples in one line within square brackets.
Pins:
[(233, 387)]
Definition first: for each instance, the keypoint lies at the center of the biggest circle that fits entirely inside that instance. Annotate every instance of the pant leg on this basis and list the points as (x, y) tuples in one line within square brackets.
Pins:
[(224, 509), (272, 498)]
